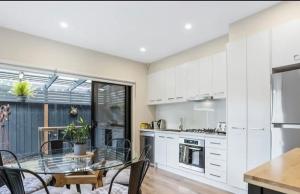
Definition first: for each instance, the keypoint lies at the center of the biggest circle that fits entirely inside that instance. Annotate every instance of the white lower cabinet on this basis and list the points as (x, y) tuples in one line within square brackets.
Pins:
[(216, 159), (166, 150)]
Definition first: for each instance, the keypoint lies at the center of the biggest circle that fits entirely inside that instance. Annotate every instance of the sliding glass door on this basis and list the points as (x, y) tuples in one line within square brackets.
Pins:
[(111, 113)]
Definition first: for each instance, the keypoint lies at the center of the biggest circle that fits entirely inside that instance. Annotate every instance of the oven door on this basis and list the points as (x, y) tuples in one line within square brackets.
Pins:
[(192, 157)]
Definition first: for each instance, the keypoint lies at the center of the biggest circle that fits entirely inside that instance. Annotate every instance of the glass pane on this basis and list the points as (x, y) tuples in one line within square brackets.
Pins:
[(109, 113)]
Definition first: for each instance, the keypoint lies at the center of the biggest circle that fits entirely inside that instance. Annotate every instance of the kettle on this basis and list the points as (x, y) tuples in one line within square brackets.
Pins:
[(161, 124)]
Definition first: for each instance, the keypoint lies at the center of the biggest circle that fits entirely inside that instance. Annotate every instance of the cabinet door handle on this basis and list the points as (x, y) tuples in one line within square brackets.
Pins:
[(170, 137), (215, 154), (170, 98), (179, 97), (215, 143), (237, 128), (215, 164), (161, 136), (296, 58), (257, 129), (214, 175)]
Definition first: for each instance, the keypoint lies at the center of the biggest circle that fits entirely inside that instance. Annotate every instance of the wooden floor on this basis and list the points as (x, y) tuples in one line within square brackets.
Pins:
[(161, 182)]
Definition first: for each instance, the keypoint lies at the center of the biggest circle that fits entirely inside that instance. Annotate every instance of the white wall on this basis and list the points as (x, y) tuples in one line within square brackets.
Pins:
[(196, 114), (35, 52)]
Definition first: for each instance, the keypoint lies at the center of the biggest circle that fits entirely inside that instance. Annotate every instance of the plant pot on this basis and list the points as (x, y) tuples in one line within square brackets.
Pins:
[(22, 98), (80, 149)]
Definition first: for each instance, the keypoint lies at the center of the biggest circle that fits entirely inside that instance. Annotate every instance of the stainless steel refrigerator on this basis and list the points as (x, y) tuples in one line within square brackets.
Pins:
[(285, 111)]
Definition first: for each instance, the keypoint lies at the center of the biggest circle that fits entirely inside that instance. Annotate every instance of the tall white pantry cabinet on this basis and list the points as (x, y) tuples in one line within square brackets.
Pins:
[(248, 105)]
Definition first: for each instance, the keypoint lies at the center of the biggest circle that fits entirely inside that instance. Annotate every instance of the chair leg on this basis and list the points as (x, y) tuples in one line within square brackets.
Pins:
[(68, 186), (93, 187), (78, 188)]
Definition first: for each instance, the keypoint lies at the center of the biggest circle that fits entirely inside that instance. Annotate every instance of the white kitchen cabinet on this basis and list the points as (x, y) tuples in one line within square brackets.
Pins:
[(170, 84), (160, 149), (205, 77), (219, 75), (259, 95), (172, 147), (156, 88), (166, 150), (237, 113), (180, 82), (192, 79), (286, 44)]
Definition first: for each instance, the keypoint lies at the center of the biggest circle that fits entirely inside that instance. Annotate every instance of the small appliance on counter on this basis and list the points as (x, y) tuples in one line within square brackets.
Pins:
[(145, 126), (221, 127), (160, 124)]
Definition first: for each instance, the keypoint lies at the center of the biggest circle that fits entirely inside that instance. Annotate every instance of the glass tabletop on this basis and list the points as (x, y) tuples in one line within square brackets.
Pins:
[(65, 161)]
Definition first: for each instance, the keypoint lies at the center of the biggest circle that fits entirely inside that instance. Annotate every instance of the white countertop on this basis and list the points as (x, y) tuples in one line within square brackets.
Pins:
[(183, 133)]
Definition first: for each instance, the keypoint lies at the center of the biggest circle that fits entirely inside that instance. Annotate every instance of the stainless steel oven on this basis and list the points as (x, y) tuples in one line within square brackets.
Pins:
[(192, 154)]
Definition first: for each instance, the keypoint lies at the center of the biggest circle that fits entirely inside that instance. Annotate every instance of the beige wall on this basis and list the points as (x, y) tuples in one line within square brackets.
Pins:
[(205, 49), (32, 51), (276, 15)]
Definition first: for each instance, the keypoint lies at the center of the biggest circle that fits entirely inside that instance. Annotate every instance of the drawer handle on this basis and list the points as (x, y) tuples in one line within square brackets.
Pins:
[(257, 129), (179, 97), (215, 154), (161, 136), (214, 175), (215, 164), (296, 57), (170, 98), (170, 137), (159, 100), (215, 143), (237, 128)]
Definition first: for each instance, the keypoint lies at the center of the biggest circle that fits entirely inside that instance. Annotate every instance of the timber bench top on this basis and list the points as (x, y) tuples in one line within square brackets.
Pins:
[(280, 174)]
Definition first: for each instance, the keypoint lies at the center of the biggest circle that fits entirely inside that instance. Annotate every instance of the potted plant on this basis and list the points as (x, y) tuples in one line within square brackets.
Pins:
[(79, 135), (22, 90)]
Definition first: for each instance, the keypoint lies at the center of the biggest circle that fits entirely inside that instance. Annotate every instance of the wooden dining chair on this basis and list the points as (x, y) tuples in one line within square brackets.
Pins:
[(31, 183), (138, 170), (12, 177)]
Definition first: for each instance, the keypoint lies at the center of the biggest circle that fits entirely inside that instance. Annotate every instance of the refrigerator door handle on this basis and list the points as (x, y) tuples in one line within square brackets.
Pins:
[(286, 126)]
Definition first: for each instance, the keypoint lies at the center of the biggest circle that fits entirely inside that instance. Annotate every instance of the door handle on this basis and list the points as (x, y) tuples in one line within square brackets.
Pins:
[(257, 129)]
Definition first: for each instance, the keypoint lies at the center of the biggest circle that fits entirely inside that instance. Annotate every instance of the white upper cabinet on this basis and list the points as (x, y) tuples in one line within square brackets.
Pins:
[(192, 79), (237, 84), (156, 88), (286, 44), (259, 95), (170, 84), (180, 83), (219, 75), (236, 113), (205, 77)]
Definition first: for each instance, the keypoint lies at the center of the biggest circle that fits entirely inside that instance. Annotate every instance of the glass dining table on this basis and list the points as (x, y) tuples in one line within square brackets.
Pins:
[(63, 163)]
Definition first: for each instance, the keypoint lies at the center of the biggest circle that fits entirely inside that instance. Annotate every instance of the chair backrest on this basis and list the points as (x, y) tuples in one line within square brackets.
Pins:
[(12, 177), (138, 171), (55, 147), (14, 157), (145, 152), (121, 145)]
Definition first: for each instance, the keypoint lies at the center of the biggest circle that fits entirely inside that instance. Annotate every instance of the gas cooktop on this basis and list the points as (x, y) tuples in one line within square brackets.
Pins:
[(206, 130)]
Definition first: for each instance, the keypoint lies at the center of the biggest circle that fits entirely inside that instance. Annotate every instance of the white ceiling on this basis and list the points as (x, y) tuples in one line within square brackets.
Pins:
[(121, 28)]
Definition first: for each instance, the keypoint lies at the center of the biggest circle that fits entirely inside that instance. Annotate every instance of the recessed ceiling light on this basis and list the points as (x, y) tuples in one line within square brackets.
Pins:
[(63, 24), (188, 26), (143, 49)]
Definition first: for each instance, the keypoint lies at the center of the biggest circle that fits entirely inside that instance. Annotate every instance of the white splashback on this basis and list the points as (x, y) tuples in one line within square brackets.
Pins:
[(195, 114)]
